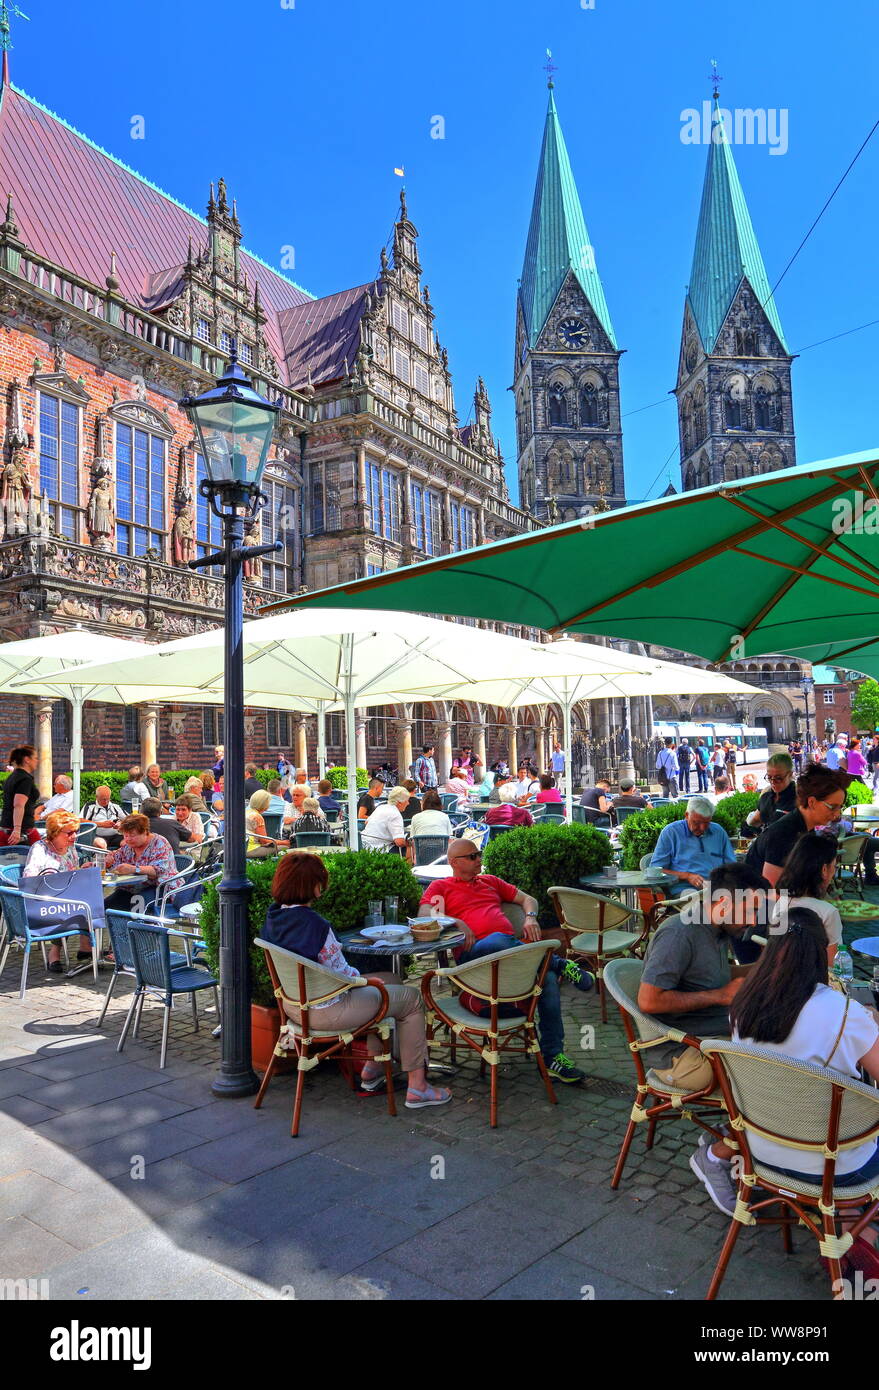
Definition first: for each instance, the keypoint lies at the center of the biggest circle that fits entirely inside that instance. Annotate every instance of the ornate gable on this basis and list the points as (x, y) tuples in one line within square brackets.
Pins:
[(572, 324)]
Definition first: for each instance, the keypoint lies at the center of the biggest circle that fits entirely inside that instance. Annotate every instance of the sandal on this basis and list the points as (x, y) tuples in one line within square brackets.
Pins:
[(372, 1083), (431, 1095)]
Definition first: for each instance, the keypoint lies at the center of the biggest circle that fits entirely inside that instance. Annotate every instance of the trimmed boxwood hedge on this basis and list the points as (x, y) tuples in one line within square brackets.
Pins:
[(538, 857)]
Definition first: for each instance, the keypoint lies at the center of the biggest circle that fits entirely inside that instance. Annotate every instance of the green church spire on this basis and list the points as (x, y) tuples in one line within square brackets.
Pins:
[(726, 247), (558, 241)]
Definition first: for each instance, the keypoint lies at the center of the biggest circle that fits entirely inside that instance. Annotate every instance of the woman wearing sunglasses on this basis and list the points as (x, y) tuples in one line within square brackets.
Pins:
[(820, 798), (57, 854)]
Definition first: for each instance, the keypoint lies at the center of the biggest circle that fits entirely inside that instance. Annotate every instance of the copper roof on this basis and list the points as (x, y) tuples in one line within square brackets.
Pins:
[(321, 337), (75, 204)]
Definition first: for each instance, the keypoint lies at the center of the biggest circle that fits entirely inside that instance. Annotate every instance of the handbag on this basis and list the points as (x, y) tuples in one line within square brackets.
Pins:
[(72, 891), (690, 1071)]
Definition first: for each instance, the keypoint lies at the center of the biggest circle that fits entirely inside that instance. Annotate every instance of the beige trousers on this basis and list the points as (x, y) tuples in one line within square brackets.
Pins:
[(358, 1005)]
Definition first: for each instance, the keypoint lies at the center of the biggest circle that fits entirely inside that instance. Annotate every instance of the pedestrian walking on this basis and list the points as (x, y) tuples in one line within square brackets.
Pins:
[(730, 763), (703, 758), (667, 769), (685, 759)]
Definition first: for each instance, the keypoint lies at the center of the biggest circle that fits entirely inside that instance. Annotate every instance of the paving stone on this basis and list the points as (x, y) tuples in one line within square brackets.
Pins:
[(15, 1081), (383, 1280), (29, 1112), (95, 1087), (79, 1129), (84, 1219), (165, 1185), (142, 1264), (660, 1257), (273, 1201), (211, 1286), (50, 1065), (218, 1118), (152, 1143), (507, 1237), (560, 1278), (29, 1251), (25, 1192), (327, 1244)]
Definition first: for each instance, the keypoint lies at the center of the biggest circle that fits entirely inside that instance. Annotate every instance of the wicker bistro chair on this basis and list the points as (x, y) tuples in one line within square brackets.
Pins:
[(505, 977), (597, 929), (155, 974), (654, 1100), (16, 930), (851, 861), (808, 1109), (273, 820), (300, 983), (312, 839)]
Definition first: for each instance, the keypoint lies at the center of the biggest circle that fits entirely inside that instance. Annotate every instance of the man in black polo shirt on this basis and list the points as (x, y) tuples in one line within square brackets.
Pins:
[(820, 799), (778, 798)]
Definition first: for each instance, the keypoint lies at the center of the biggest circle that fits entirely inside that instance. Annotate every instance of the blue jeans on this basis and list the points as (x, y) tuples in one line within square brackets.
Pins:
[(702, 774), (549, 1006)]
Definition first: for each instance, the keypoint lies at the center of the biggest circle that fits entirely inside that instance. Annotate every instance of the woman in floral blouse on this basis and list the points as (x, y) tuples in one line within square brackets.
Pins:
[(143, 852)]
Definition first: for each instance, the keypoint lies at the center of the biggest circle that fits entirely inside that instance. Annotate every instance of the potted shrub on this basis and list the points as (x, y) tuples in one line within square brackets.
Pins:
[(355, 878), (338, 776), (538, 857), (264, 1018)]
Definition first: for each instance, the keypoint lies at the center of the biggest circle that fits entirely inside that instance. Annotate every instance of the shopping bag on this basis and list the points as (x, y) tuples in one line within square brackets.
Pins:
[(70, 892)]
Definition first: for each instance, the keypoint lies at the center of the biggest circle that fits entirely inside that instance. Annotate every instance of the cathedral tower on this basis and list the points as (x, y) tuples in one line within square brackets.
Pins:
[(566, 374), (733, 390)]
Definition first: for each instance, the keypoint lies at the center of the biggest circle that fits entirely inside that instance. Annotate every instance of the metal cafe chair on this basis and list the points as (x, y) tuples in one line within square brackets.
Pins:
[(151, 957), (17, 932)]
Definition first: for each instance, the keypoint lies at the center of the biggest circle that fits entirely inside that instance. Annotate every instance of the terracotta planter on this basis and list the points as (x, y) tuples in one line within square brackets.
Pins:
[(265, 1027)]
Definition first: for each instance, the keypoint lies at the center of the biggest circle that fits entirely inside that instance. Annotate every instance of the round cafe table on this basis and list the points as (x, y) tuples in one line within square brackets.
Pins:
[(354, 944), (628, 881), (110, 882)]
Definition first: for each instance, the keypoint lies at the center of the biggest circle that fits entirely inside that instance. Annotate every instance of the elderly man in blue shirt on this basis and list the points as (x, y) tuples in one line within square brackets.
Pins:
[(692, 847)]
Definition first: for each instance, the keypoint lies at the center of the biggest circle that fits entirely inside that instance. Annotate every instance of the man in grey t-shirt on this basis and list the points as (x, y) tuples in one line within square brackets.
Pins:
[(688, 980)]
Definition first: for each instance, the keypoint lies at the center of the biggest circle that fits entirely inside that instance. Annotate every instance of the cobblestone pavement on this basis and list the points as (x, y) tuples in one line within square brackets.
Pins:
[(121, 1181)]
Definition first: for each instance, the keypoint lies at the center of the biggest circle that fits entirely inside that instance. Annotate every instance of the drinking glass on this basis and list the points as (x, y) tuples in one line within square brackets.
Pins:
[(374, 916), (392, 907)]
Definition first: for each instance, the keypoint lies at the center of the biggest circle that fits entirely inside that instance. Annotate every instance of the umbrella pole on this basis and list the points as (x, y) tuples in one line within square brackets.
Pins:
[(567, 704), (76, 745), (321, 739), (350, 741)]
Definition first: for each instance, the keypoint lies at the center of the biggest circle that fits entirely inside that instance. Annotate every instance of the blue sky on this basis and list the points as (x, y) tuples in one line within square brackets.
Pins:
[(307, 107)]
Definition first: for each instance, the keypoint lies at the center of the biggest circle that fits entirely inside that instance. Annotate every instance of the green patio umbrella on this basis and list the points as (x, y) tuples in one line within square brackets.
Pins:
[(781, 561)]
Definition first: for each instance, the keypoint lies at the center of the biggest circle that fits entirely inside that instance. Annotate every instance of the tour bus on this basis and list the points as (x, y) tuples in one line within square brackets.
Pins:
[(750, 742)]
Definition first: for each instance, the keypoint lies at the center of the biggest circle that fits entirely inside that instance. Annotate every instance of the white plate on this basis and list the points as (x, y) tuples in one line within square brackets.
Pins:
[(380, 935)]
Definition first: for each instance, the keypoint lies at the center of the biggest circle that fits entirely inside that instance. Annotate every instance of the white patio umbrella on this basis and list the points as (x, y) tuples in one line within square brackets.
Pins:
[(349, 659), (24, 666), (581, 678)]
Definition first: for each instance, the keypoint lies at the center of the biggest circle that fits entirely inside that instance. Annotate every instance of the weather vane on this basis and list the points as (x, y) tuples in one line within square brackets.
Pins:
[(549, 68), (715, 77), (6, 9)]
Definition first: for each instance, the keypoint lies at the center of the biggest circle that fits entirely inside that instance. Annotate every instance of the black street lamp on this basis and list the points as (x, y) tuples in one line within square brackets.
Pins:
[(235, 427), (806, 684)]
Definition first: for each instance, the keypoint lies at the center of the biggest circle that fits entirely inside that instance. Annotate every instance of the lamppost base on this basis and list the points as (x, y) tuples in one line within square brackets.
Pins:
[(626, 769), (232, 1087)]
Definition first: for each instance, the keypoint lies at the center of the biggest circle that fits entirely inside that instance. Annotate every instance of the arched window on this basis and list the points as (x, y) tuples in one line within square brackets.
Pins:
[(687, 440), (767, 406), (558, 404), (736, 404), (589, 405), (747, 342), (699, 427)]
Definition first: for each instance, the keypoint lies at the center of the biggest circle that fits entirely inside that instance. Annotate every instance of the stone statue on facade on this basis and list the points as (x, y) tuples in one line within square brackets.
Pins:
[(100, 514), (183, 538), (14, 494), (253, 564)]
